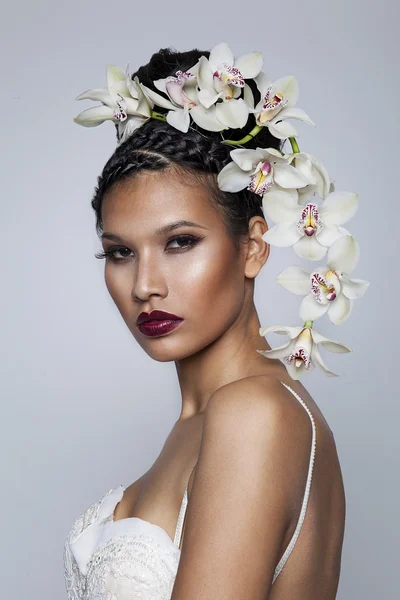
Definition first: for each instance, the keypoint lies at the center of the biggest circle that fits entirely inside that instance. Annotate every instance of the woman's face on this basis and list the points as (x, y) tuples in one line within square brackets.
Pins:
[(192, 271)]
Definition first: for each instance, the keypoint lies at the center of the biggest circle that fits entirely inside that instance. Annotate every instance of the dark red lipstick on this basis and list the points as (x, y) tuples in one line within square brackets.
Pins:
[(157, 322)]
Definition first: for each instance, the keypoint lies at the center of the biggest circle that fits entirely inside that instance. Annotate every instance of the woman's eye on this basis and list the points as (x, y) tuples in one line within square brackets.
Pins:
[(182, 241), (121, 251)]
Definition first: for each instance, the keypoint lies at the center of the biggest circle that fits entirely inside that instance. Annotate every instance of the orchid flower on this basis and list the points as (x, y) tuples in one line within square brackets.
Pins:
[(328, 289), (122, 102), (221, 77), (182, 99), (276, 105), (309, 229), (301, 354), (258, 170), (314, 171)]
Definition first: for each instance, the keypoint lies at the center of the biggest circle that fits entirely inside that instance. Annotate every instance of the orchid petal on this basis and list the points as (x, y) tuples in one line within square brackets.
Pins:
[(339, 207), (120, 87), (329, 344), (288, 87), (233, 114), (220, 54), (296, 372), (354, 288), (295, 280), (306, 195), (291, 192), (205, 75), (246, 159), (179, 119), (327, 235), (308, 247), (323, 180), (248, 96), (262, 82), (344, 254), (294, 113), (114, 75), (232, 178), (143, 97), (160, 84), (280, 206), (279, 352), (317, 360), (310, 309), (249, 64), (133, 87), (289, 177), (176, 93), (126, 128), (208, 98), (143, 107), (206, 118), (303, 164), (193, 70), (273, 152), (91, 117), (131, 106), (98, 95), (282, 235), (282, 130), (157, 99), (340, 309), (292, 332)]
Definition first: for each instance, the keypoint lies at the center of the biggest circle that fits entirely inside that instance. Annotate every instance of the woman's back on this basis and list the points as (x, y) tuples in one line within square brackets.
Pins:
[(128, 543)]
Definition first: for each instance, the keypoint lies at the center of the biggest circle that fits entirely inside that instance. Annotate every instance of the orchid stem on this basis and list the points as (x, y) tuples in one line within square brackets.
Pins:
[(295, 146), (247, 138), (308, 324), (158, 116)]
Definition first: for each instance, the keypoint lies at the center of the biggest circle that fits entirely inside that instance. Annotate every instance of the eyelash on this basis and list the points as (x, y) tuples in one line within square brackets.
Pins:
[(193, 240)]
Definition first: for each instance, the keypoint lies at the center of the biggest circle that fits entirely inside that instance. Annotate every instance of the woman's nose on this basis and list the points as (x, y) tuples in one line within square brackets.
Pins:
[(149, 279)]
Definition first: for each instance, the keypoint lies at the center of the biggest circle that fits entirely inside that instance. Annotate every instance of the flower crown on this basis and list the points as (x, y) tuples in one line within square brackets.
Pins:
[(215, 96)]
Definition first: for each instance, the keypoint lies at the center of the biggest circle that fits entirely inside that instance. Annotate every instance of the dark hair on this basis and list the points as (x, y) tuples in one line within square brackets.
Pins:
[(156, 145)]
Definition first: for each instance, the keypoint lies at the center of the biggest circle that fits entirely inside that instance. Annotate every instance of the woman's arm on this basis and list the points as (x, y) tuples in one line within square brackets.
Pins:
[(247, 490)]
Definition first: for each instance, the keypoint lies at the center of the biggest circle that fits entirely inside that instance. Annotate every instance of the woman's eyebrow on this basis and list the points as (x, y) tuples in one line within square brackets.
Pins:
[(161, 230)]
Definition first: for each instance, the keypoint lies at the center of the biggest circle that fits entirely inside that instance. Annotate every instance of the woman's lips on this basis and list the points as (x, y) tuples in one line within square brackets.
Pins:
[(156, 328), (158, 322)]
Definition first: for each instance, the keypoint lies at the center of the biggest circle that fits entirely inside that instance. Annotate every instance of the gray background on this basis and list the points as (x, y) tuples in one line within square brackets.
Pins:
[(83, 408)]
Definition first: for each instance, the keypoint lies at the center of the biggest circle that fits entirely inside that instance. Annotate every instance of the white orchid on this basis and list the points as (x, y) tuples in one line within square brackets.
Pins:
[(122, 102), (314, 171), (328, 289), (258, 170), (182, 100), (222, 77), (276, 105), (301, 354), (310, 229)]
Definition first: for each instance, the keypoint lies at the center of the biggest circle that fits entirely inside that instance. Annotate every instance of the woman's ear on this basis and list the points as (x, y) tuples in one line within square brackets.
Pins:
[(257, 250)]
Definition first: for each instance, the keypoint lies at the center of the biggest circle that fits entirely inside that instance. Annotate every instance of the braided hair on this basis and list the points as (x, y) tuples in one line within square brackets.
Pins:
[(157, 146)]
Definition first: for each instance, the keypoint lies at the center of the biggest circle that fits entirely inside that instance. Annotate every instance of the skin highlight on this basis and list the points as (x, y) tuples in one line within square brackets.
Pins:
[(210, 284)]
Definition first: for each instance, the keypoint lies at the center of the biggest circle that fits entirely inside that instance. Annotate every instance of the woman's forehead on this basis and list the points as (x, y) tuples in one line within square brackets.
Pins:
[(153, 199)]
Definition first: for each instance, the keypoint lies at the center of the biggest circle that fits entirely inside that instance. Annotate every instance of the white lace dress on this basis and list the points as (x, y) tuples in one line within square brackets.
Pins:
[(133, 559)]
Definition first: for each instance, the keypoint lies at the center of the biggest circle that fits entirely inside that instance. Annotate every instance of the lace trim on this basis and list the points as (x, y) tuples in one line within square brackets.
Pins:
[(135, 566), (74, 580), (131, 567)]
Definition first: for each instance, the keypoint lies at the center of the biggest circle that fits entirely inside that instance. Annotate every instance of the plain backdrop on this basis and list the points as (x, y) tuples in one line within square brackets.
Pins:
[(83, 408)]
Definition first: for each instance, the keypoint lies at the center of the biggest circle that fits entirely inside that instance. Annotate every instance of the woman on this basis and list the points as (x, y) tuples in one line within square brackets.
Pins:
[(251, 461)]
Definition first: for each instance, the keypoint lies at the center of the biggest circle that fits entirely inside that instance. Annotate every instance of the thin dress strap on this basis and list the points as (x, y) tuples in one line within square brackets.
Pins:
[(307, 490), (182, 512), (181, 519)]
